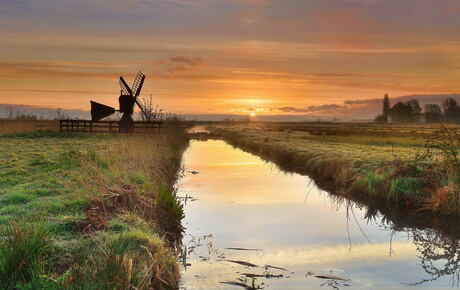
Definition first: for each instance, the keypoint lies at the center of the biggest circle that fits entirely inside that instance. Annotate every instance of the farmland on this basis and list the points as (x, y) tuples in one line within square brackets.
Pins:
[(89, 211)]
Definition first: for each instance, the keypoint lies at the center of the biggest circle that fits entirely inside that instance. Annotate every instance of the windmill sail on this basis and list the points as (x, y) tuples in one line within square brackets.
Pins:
[(100, 111), (125, 89), (137, 84)]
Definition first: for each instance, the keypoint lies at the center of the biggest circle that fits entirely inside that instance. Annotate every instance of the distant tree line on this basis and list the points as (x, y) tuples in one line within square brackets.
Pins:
[(411, 112), (18, 112)]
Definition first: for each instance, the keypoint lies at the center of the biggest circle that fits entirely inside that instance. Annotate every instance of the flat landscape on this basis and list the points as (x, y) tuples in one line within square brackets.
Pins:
[(229, 144)]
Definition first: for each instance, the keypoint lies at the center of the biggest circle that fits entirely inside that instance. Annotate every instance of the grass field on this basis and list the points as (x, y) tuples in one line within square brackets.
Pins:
[(352, 129), (398, 169), (17, 126), (89, 211)]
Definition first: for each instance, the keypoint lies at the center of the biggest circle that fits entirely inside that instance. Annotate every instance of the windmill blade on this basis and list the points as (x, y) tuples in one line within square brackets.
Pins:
[(100, 111), (125, 89), (144, 112), (137, 84)]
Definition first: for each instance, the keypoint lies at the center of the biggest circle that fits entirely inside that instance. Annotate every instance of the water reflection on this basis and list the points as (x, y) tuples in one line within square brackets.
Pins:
[(307, 237)]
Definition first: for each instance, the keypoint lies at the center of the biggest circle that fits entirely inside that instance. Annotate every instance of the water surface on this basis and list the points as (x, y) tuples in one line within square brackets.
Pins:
[(236, 200)]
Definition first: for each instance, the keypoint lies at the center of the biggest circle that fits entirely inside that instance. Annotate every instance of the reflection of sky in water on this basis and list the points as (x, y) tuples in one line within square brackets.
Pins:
[(244, 202)]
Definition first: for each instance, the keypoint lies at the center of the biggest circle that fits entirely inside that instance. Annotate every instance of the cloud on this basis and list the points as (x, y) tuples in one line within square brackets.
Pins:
[(179, 64), (311, 109), (325, 107), (363, 102), (166, 68)]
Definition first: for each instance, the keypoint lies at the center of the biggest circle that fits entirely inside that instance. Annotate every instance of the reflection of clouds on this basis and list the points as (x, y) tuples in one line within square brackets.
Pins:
[(304, 259), (244, 202)]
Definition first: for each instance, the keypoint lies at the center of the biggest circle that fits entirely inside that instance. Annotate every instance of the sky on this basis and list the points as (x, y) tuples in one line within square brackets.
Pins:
[(265, 57)]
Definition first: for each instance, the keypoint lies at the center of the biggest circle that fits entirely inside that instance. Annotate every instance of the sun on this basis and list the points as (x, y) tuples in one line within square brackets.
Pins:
[(252, 114)]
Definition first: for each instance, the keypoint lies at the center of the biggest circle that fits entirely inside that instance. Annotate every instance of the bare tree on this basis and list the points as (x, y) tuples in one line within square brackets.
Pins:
[(60, 114), (152, 112)]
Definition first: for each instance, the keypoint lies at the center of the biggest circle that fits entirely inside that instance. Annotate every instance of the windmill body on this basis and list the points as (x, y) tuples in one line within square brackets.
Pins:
[(127, 101)]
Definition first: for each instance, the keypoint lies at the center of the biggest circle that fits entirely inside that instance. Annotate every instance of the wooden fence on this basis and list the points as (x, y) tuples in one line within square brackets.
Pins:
[(86, 126)]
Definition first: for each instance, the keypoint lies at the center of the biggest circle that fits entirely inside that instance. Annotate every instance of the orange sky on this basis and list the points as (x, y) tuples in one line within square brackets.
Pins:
[(227, 56)]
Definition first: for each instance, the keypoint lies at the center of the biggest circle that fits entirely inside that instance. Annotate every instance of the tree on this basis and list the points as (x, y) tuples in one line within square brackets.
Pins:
[(433, 112), (415, 110), (386, 107), (381, 119), (449, 105), (451, 110), (401, 113), (151, 111)]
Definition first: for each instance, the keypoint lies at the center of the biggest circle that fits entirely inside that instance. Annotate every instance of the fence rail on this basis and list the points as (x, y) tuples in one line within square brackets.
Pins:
[(86, 126)]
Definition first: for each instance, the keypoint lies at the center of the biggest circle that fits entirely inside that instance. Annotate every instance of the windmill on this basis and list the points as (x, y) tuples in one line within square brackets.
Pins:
[(127, 100)]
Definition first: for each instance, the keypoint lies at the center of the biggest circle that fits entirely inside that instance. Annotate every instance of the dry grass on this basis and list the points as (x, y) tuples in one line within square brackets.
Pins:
[(362, 151), (18, 126)]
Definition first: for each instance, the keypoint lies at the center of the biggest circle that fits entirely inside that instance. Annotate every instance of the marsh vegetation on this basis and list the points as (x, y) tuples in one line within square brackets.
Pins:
[(417, 172), (89, 211)]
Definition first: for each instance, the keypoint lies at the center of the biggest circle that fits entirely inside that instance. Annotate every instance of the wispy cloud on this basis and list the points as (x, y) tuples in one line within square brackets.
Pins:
[(311, 109)]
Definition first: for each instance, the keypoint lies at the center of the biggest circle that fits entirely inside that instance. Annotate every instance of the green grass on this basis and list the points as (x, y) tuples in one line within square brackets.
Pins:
[(24, 253), (376, 183), (55, 178)]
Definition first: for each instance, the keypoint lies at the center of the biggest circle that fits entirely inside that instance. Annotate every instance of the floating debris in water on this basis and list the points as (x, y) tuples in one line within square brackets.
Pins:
[(243, 249), (274, 267), (330, 277), (266, 275), (240, 284), (203, 258), (331, 280), (247, 264)]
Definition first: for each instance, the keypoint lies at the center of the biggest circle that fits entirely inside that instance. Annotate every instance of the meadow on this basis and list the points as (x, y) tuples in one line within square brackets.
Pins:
[(17, 126), (82, 211), (417, 172)]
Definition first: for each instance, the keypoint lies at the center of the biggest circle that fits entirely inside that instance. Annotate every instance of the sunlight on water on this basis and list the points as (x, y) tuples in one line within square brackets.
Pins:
[(236, 200)]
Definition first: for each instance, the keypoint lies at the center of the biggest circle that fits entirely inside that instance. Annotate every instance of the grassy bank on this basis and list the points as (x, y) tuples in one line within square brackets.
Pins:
[(89, 212), (397, 170)]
